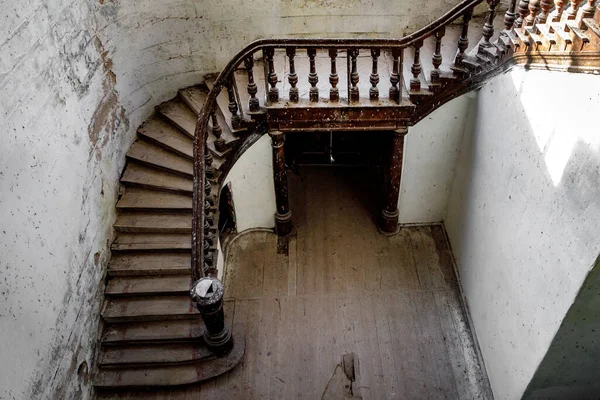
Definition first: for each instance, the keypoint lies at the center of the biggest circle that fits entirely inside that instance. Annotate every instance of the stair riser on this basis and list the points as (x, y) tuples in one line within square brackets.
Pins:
[(168, 148), (149, 272), (161, 167), (154, 187), (153, 229), (175, 292), (151, 318), (149, 249)]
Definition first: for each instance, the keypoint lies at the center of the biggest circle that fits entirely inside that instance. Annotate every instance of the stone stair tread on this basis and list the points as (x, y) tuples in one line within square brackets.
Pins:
[(151, 178), (139, 199), (149, 308), (178, 112), (144, 264), (148, 285), (144, 332), (169, 353), (594, 28), (152, 242), (581, 34), (559, 30), (194, 97), (148, 222), (154, 155), (165, 134), (161, 375), (546, 34)]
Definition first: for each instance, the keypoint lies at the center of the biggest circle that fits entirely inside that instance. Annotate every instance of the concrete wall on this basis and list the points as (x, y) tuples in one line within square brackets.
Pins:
[(524, 215), (62, 143), (431, 152), (252, 188)]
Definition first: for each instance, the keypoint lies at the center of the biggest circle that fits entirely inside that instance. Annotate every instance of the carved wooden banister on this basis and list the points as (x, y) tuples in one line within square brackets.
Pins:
[(425, 92)]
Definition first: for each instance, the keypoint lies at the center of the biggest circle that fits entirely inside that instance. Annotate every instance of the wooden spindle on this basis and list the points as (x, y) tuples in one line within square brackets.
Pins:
[(253, 104), (588, 10), (395, 76), (523, 11), (354, 78), (463, 40), (572, 11), (292, 76), (334, 92), (436, 60), (510, 16), (374, 78), (313, 78), (558, 10), (208, 161), (488, 27), (217, 131), (272, 76), (534, 7), (236, 120), (415, 69), (546, 6)]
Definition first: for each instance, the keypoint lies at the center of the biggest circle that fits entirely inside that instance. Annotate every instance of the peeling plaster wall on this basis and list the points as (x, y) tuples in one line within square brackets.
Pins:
[(431, 152), (524, 216), (62, 144)]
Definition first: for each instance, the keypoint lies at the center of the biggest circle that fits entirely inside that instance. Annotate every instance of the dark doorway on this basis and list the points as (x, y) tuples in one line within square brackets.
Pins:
[(227, 222), (358, 160)]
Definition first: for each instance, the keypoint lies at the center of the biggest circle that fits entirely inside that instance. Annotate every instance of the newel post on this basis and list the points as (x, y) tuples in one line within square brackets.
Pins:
[(388, 223), (283, 216), (208, 294)]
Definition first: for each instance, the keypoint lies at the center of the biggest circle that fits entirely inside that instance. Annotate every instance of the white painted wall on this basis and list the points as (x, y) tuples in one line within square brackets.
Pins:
[(252, 188), (524, 215), (431, 152), (62, 143)]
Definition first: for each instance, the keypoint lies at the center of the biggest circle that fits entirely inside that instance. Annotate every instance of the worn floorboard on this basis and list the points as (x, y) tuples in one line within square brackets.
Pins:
[(343, 287)]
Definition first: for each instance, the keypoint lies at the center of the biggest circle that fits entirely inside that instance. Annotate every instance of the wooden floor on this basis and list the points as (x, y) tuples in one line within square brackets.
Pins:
[(340, 287)]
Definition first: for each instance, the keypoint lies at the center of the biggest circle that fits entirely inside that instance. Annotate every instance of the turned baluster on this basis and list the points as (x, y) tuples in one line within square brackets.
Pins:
[(217, 131), (208, 160), (488, 27), (374, 78), (334, 92), (354, 79), (572, 11), (272, 76), (523, 11), (252, 89), (313, 78), (415, 69), (436, 60), (558, 11), (546, 6), (463, 40), (510, 16), (395, 76), (292, 76), (236, 120), (208, 192), (588, 10), (534, 7)]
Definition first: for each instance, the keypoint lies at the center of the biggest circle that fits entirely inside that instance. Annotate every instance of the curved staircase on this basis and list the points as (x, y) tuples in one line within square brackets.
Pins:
[(153, 332)]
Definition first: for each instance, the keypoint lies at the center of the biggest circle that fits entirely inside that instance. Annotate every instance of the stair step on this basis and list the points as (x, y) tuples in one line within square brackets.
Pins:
[(151, 178), (164, 134), (170, 375), (223, 102), (144, 264), (144, 332), (148, 285), (561, 34), (180, 115), (171, 353), (548, 37), (174, 242), (149, 308), (579, 33), (194, 97), (153, 222), (594, 28), (138, 199), (156, 156)]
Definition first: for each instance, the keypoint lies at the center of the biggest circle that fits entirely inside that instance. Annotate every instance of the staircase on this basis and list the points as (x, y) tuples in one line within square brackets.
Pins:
[(153, 332)]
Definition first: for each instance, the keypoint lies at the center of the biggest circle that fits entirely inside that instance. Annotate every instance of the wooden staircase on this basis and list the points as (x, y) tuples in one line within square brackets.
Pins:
[(152, 330)]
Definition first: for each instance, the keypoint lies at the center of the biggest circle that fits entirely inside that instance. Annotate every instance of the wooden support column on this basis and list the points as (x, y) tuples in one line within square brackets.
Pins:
[(283, 216), (388, 223)]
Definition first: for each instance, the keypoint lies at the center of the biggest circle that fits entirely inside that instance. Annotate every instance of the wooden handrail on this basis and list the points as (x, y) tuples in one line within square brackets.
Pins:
[(199, 145)]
